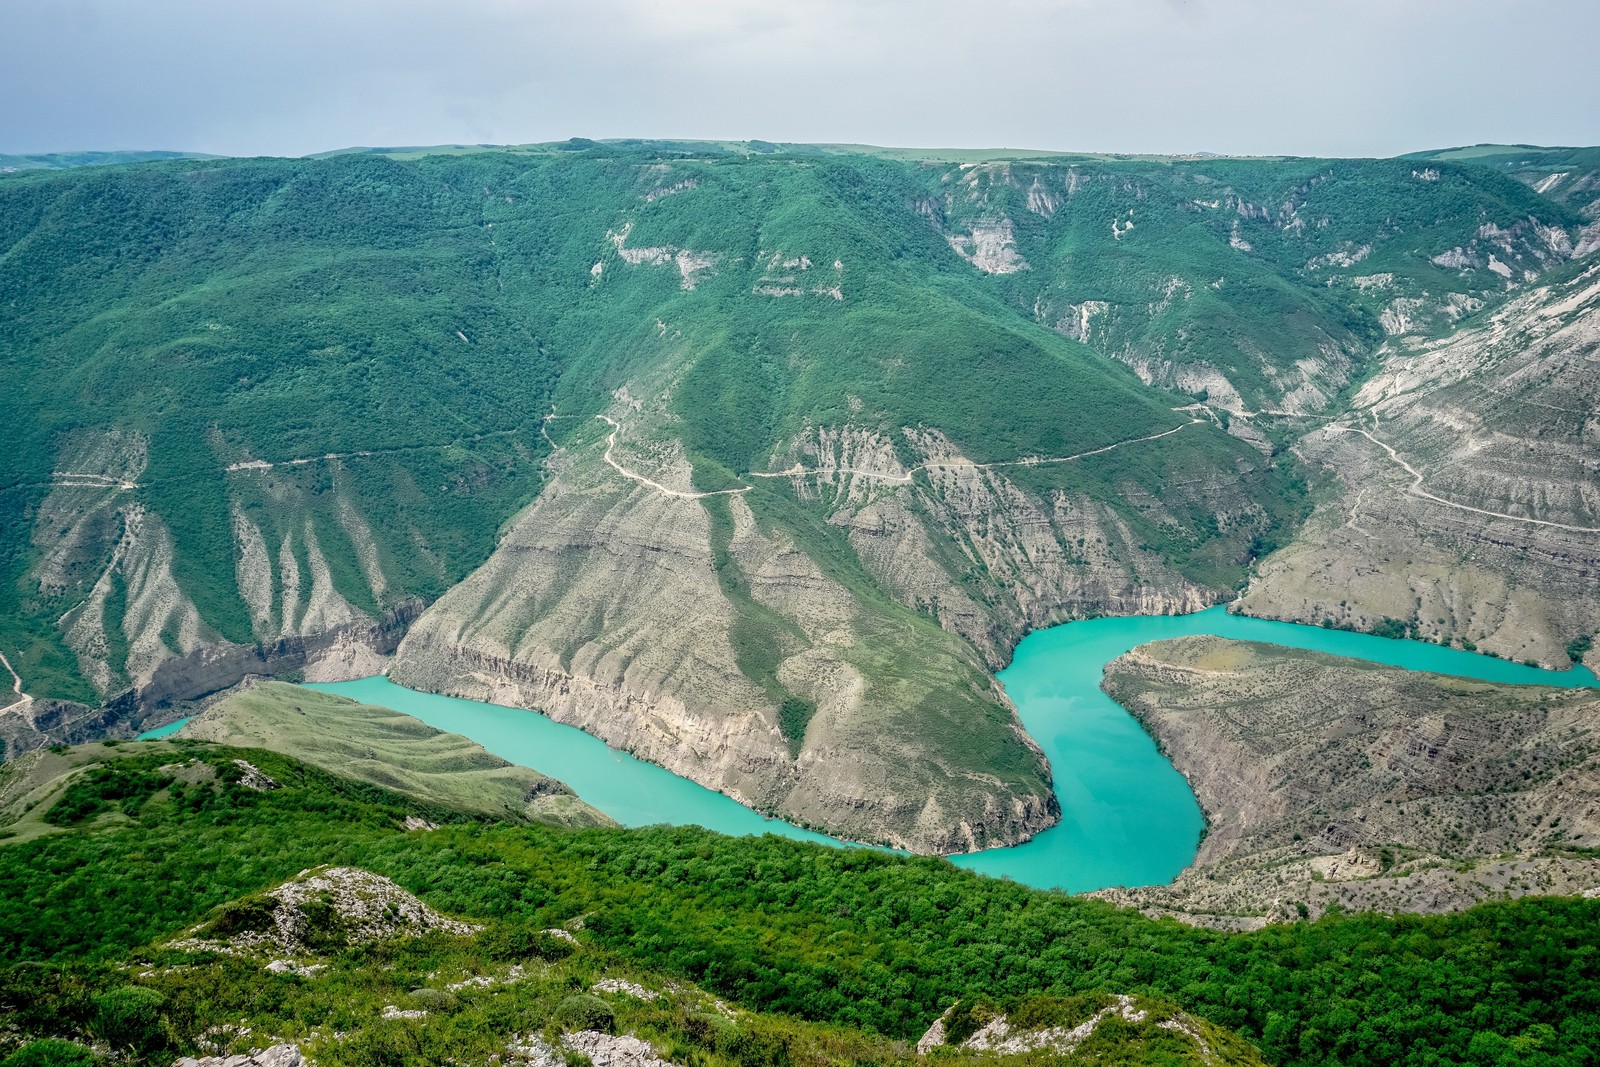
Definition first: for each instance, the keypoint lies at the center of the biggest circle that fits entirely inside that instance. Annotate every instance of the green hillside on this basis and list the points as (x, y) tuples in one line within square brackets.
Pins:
[(274, 411), (388, 749), (831, 955), (1569, 176), (418, 318)]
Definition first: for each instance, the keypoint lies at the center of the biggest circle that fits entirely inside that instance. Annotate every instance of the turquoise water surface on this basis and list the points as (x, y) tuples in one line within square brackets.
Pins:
[(163, 731), (1128, 818), (631, 791)]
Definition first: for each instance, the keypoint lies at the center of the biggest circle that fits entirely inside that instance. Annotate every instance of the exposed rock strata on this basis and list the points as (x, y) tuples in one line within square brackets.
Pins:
[(1492, 536), (967, 545), (678, 623), (106, 559), (1326, 780), (603, 607), (181, 685), (356, 650)]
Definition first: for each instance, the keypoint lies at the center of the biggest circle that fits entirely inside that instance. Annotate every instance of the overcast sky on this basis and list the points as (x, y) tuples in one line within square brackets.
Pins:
[(1310, 77)]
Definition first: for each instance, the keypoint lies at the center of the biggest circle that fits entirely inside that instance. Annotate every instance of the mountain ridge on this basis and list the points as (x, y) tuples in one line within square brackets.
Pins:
[(303, 421)]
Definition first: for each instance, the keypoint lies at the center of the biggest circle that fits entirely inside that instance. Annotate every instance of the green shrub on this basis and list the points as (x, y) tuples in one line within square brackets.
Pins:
[(51, 1052), (1040, 1013), (509, 943), (585, 1011), (129, 1017), (433, 999), (321, 927), (125, 787), (254, 914), (967, 1018)]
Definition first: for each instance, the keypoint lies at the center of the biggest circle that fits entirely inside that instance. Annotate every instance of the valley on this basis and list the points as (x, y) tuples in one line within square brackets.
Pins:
[(485, 586), (1131, 819), (758, 466)]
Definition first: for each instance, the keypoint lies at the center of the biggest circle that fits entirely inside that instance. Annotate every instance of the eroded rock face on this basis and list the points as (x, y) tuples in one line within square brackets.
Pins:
[(990, 560), (1468, 502), (1330, 780), (106, 563), (612, 605), (679, 623), (181, 685)]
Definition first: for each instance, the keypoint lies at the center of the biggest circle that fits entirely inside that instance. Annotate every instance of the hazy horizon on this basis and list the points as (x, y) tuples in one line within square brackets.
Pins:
[(1161, 77)]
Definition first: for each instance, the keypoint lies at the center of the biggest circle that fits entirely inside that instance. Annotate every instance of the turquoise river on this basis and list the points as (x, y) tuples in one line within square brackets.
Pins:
[(1128, 818)]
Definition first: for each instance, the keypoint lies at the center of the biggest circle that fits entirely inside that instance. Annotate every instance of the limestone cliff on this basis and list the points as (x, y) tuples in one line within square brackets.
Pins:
[(107, 564), (678, 625), (1326, 780), (965, 543), (1465, 498)]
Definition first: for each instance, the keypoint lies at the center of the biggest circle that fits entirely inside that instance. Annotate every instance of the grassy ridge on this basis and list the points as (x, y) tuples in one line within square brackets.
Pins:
[(183, 805), (840, 936), (386, 748)]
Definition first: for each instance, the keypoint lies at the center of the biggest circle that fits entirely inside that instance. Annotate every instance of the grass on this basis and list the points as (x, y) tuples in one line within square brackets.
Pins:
[(854, 942), (388, 749)]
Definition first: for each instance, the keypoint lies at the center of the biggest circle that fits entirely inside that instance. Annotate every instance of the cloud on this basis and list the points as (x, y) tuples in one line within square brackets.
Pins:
[(294, 76)]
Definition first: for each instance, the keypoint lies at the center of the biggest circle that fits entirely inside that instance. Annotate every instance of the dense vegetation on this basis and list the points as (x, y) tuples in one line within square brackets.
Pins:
[(843, 937), (416, 315)]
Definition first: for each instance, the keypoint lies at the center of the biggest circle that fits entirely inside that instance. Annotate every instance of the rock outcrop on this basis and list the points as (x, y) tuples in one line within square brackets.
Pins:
[(676, 625), (1086, 1028), (276, 1056), (613, 1050), (965, 543), (328, 906), (1326, 780), (1467, 489)]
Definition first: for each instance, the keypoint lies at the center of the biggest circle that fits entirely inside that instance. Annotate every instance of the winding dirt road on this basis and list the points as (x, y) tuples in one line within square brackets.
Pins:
[(1416, 489), (23, 699), (611, 441)]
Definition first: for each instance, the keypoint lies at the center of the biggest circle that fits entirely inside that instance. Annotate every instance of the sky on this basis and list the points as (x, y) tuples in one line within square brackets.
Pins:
[(1303, 77)]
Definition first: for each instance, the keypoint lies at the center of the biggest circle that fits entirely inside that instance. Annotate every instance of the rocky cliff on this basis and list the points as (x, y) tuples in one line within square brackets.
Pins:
[(108, 564), (1332, 781), (681, 626), (1465, 489)]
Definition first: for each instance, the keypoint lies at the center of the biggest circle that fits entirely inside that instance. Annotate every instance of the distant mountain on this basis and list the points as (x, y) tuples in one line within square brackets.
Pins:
[(10, 164)]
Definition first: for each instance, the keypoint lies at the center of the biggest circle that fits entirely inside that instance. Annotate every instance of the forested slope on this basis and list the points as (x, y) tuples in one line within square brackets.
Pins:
[(157, 850)]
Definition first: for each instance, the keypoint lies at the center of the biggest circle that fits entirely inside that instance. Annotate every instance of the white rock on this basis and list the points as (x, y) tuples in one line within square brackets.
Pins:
[(618, 985), (606, 1050), (276, 1056)]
